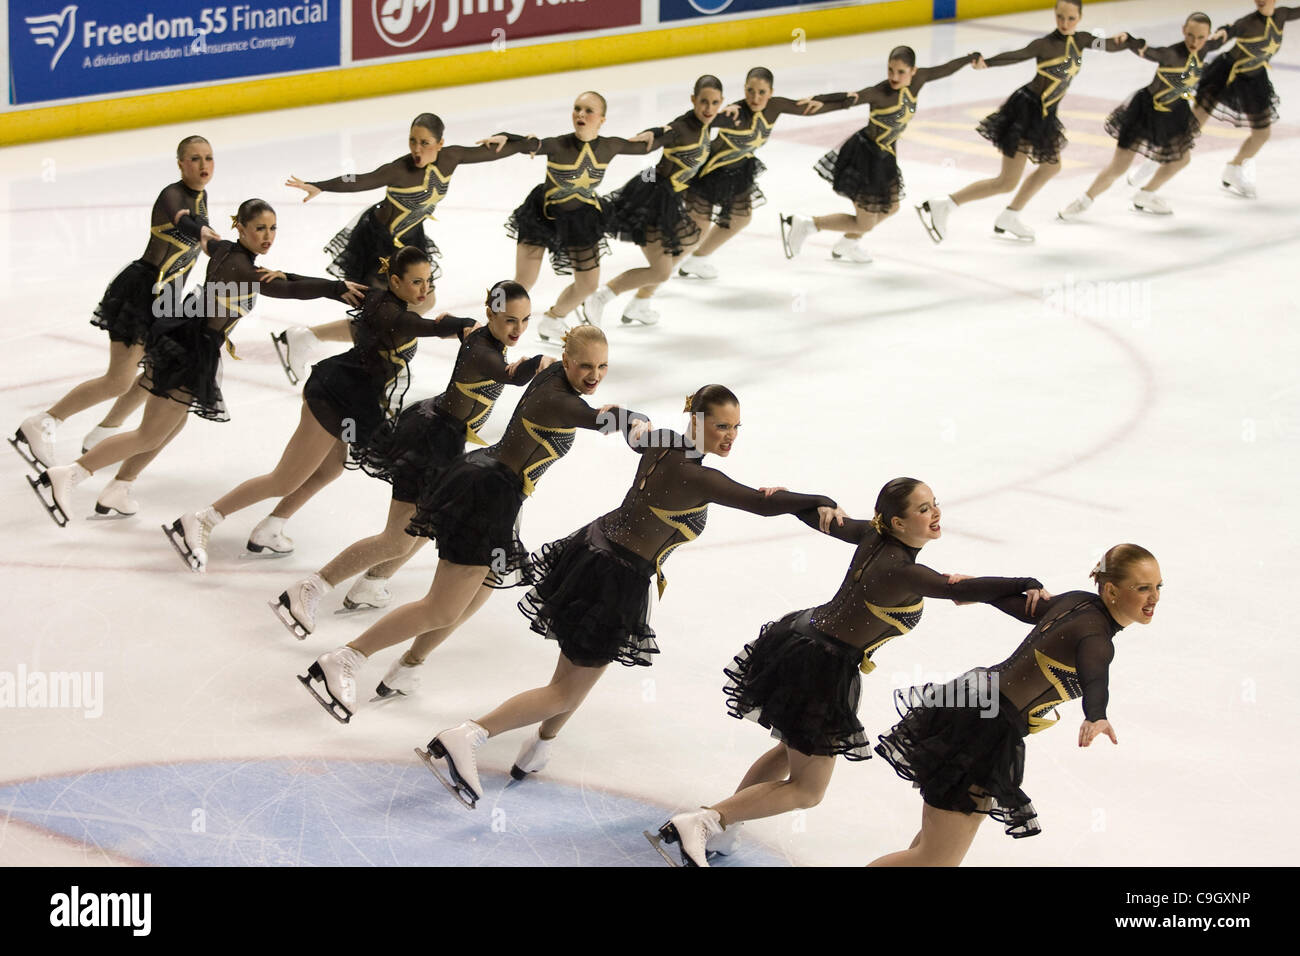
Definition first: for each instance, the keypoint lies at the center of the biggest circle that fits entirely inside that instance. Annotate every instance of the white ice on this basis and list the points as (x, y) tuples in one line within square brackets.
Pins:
[(1169, 416)]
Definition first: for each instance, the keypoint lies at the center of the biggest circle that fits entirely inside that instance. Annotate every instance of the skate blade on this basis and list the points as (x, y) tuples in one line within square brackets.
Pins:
[(1148, 212), (657, 842), (261, 551), (351, 607), (517, 774), (174, 535), (19, 443), (281, 343), (104, 513), (786, 223), (1007, 236), (385, 693), (282, 614), (923, 213), (57, 514), (332, 706), (456, 789)]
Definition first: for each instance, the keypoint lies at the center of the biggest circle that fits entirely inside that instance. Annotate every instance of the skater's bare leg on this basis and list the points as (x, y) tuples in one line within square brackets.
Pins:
[(1167, 171), (122, 362), (1119, 164), (528, 264), (454, 588), (159, 423), (769, 768), (1252, 145), (701, 224), (658, 269), (130, 469), (583, 284), (945, 837), (307, 449), (802, 789), (126, 404), (426, 642), (569, 686), (717, 235), (329, 470), (337, 331), (1035, 181), (1004, 182), (377, 550)]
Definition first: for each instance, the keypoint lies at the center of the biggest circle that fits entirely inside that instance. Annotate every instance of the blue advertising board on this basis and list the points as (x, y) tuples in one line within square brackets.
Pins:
[(694, 9), (59, 50)]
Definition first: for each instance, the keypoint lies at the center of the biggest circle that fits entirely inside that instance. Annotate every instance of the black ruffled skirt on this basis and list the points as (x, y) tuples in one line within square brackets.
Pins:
[(1019, 126), (1249, 100), (648, 210), (345, 399), (472, 511), (1165, 136), (182, 361), (863, 173), (727, 191), (802, 685), (593, 598), (126, 312), (412, 451), (947, 744), (574, 233), (357, 247)]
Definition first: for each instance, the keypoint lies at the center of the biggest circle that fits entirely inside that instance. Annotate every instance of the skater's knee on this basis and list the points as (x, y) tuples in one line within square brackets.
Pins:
[(120, 379), (1049, 169)]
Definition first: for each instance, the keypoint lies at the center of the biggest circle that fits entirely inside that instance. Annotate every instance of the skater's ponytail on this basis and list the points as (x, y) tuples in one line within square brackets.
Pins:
[(249, 210), (1117, 564), (429, 121), (503, 293), (709, 397), (577, 339), (891, 503), (904, 55)]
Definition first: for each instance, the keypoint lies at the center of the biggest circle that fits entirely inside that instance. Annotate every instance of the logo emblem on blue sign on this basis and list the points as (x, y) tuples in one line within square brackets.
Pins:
[(54, 30), (710, 6)]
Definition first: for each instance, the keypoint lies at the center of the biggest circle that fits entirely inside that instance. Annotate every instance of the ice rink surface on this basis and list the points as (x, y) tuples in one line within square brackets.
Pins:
[(1126, 378)]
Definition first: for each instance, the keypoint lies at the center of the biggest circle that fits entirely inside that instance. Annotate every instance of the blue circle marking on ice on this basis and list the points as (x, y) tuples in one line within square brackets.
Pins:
[(710, 7), (319, 812)]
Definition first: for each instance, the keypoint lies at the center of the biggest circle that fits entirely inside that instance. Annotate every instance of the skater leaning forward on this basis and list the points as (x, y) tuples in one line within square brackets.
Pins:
[(591, 595)]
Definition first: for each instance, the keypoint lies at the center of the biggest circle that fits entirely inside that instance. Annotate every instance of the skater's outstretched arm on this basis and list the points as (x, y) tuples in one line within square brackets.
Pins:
[(389, 174), (500, 146), (930, 583), (719, 489), (1120, 41), (1038, 48), (944, 70)]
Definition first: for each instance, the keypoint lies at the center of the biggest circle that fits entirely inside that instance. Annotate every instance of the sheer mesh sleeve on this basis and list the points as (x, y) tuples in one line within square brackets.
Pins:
[(389, 174), (852, 531), (927, 73), (449, 157), (1283, 14), (1092, 660), (719, 489), (1030, 52), (1014, 606), (302, 287), (1109, 44), (930, 583), (409, 324), (618, 146), (1164, 55)]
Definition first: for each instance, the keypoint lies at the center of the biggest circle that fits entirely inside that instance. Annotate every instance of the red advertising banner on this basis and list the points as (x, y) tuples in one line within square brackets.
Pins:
[(394, 27)]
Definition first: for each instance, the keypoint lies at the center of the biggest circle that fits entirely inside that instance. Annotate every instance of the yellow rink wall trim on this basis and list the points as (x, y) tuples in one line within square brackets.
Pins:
[(382, 79)]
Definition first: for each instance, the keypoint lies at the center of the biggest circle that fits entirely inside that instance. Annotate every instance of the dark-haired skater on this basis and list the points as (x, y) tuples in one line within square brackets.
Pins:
[(799, 678)]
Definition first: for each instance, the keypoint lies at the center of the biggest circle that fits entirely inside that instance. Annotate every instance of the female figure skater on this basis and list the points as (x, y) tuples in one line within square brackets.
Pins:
[(147, 288), (344, 401), (969, 763), (1156, 121), (1235, 88), (592, 594), (564, 216), (1025, 127), (864, 169), (800, 677), (473, 513), (414, 185), (182, 370), (725, 189), (649, 211), (412, 452)]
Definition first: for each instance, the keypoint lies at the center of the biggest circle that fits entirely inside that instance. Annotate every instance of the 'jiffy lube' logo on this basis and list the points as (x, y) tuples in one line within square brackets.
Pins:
[(401, 22), (54, 30)]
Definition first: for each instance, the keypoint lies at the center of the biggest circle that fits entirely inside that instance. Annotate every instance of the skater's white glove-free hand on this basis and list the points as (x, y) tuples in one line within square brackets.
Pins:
[(811, 105), (769, 492), (953, 579), (356, 293), (311, 191), (828, 516), (1091, 729), (270, 275)]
